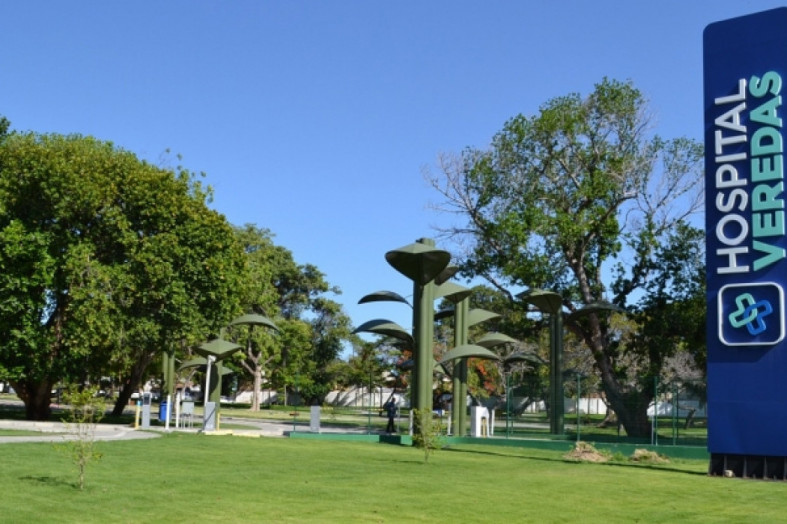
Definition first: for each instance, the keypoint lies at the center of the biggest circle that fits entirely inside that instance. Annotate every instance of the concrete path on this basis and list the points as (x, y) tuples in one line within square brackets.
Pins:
[(58, 432)]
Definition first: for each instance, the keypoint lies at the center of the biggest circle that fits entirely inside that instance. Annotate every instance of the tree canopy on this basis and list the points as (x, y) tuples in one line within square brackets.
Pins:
[(106, 261), (583, 200), (312, 327)]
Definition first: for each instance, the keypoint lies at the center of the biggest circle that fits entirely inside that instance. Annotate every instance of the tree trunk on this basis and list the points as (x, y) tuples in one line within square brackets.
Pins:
[(631, 408), (131, 384), (636, 421), (255, 396), (690, 418), (36, 395)]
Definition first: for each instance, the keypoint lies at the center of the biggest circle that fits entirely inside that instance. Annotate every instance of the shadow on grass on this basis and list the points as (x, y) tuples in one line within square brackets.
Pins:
[(48, 481), (612, 462), (59, 415), (12, 414)]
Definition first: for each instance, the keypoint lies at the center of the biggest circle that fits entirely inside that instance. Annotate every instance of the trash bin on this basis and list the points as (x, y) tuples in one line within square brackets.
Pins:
[(162, 413)]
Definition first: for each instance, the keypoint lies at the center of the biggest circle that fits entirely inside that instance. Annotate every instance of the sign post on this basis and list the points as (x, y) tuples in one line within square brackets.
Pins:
[(745, 68)]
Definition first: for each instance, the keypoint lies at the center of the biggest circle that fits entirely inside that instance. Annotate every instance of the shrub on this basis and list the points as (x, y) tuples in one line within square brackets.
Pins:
[(427, 433), (85, 410)]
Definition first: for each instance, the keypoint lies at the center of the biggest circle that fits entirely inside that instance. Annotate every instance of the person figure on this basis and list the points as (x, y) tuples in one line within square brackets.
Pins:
[(390, 410)]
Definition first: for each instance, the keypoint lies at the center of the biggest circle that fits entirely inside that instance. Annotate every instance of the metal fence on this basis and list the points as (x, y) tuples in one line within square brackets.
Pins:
[(675, 414)]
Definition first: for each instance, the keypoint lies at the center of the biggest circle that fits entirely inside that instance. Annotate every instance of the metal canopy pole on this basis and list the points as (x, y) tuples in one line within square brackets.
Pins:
[(556, 426), (459, 402), (424, 358)]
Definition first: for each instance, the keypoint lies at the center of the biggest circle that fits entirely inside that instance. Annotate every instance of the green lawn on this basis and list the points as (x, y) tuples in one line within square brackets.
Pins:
[(197, 478)]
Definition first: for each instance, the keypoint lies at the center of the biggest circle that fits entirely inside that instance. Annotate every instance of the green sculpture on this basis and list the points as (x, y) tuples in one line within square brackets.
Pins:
[(421, 262), (428, 268), (215, 351), (551, 303), (464, 318)]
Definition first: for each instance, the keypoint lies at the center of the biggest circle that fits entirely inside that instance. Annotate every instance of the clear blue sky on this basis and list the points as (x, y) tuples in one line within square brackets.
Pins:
[(315, 119)]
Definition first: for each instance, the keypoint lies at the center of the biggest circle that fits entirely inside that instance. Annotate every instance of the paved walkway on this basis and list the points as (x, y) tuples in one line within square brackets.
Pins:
[(58, 431)]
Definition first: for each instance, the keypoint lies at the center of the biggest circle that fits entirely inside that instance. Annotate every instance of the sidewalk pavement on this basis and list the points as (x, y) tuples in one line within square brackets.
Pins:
[(58, 431)]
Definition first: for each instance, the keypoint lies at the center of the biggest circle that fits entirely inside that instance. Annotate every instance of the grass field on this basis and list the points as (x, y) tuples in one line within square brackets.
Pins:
[(197, 478)]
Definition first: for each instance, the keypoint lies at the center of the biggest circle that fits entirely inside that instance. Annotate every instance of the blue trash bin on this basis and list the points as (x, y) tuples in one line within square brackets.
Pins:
[(162, 413)]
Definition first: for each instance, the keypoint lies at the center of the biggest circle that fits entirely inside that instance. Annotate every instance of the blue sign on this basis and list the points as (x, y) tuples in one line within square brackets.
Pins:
[(745, 69)]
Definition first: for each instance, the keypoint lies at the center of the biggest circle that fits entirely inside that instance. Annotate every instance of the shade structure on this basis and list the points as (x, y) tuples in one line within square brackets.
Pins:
[(419, 262), (493, 339), (384, 296), (546, 301), (409, 365), (193, 363), (476, 316), (452, 292), (523, 356), (551, 303), (445, 274), (444, 313), (439, 367), (381, 326), (594, 307), (253, 319), (218, 347), (469, 351)]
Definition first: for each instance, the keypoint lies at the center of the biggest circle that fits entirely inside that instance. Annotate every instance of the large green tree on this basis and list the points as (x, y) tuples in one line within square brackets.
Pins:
[(106, 261), (312, 327), (330, 330), (583, 200), (259, 296)]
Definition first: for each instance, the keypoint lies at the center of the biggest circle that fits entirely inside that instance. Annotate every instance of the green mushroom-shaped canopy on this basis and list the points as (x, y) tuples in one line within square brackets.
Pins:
[(218, 347), (467, 351), (383, 296), (253, 319), (381, 326), (418, 262)]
